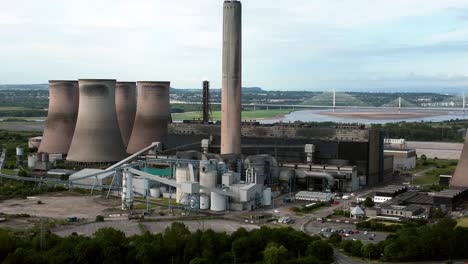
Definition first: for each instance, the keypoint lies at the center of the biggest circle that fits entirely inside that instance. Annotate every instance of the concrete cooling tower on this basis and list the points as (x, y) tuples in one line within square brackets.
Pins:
[(61, 117), (125, 104), (97, 136), (231, 79), (152, 116), (460, 177)]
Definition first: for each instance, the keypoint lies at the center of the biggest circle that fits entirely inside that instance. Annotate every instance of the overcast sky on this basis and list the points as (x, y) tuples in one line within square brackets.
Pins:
[(289, 44)]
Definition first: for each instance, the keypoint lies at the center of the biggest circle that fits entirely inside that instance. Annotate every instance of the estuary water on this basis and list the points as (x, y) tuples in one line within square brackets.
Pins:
[(378, 116)]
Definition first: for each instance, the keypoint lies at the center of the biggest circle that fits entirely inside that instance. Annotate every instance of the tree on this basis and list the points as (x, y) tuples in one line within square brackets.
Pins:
[(335, 239), (321, 250), (274, 254), (369, 203)]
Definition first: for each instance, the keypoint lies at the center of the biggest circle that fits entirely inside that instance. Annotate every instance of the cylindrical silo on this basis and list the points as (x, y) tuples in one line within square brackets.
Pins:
[(61, 117), (182, 175), (32, 159), (97, 135), (204, 201), (152, 116), (125, 104), (267, 197), (231, 78), (218, 202)]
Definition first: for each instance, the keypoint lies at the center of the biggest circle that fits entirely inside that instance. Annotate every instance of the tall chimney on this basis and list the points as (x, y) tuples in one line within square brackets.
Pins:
[(152, 116), (97, 136), (61, 117), (231, 79), (125, 104)]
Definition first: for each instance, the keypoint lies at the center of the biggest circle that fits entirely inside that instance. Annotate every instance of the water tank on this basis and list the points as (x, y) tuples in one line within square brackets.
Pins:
[(218, 202), (61, 117), (32, 159), (155, 192), (152, 115), (125, 104), (182, 175), (97, 136), (19, 151), (267, 197), (204, 201)]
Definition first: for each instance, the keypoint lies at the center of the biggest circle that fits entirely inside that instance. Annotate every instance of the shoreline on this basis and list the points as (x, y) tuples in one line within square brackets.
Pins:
[(380, 115)]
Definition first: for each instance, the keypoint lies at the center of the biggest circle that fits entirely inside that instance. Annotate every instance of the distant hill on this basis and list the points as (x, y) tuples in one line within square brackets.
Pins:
[(342, 99)]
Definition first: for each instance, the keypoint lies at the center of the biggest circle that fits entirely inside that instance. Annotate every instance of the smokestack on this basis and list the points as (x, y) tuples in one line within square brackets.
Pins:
[(460, 177), (206, 102), (97, 136), (152, 116), (61, 117), (231, 79), (125, 104)]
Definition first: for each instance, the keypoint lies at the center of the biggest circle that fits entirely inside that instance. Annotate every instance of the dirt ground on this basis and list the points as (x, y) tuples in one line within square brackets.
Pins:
[(132, 227), (60, 206)]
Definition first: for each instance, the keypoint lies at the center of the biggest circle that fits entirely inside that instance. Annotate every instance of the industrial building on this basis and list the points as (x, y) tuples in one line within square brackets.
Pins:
[(403, 159), (227, 165)]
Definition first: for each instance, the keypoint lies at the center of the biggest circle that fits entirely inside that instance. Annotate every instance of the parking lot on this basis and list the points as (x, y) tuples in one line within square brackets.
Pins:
[(327, 228)]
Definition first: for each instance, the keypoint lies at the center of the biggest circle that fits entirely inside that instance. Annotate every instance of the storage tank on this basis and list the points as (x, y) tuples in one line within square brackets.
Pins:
[(218, 202), (155, 192), (97, 136), (32, 159), (61, 117), (182, 175), (204, 201), (19, 151), (125, 104), (152, 115), (163, 189), (267, 197)]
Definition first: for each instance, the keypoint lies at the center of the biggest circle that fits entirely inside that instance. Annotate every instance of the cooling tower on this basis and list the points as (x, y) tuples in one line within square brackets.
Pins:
[(61, 117), (125, 104), (97, 135), (231, 79), (152, 116), (460, 177)]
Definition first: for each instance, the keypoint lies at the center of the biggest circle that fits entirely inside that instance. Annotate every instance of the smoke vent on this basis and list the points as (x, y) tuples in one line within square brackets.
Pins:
[(152, 116), (97, 135), (61, 117), (125, 104)]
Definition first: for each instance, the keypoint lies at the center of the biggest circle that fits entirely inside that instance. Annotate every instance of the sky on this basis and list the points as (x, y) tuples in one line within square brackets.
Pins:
[(368, 45)]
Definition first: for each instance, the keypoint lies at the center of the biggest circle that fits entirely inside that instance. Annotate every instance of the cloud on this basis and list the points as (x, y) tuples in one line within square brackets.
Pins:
[(9, 20)]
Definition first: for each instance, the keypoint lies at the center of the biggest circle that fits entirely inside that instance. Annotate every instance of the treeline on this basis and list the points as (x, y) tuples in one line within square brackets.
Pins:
[(440, 241), (24, 113), (450, 131), (176, 245)]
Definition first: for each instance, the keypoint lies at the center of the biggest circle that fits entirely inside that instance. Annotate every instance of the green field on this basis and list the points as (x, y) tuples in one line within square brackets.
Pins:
[(246, 115), (435, 168)]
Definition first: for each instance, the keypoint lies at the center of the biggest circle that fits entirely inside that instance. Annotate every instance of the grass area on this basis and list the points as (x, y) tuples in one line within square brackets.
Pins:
[(440, 167), (462, 222), (8, 172), (246, 115)]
